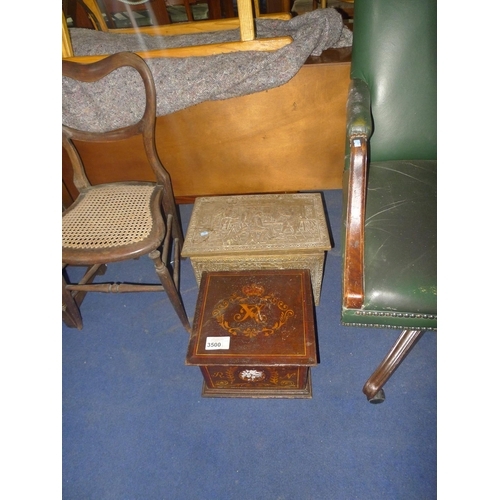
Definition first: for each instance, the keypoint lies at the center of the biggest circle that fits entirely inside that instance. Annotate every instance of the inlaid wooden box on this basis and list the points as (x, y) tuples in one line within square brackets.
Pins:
[(254, 334), (271, 231)]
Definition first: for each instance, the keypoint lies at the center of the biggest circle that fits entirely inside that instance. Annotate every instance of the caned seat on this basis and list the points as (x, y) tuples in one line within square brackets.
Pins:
[(112, 216), (123, 220)]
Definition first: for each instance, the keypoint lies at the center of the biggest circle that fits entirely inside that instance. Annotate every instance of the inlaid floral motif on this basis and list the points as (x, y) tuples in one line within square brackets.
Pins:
[(252, 375)]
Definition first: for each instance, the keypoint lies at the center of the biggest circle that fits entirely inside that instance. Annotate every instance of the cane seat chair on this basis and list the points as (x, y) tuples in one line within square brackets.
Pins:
[(390, 178), (119, 221)]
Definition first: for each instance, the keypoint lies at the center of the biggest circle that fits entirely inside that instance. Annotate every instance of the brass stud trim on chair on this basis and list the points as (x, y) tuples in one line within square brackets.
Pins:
[(376, 325), (396, 315)]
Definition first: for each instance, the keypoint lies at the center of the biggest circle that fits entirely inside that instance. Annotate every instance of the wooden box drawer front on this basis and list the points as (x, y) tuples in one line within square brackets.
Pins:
[(255, 377)]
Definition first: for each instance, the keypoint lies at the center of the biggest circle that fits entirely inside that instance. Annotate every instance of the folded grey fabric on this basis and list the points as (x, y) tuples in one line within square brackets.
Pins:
[(118, 99)]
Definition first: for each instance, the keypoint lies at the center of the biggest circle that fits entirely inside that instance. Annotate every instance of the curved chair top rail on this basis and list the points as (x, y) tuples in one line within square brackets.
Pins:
[(93, 72)]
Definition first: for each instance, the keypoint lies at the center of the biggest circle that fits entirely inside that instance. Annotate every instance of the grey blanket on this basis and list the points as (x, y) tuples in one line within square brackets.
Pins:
[(118, 99)]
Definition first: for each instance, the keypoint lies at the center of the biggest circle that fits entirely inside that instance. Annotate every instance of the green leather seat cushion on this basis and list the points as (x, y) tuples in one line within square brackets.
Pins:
[(400, 247), (400, 237)]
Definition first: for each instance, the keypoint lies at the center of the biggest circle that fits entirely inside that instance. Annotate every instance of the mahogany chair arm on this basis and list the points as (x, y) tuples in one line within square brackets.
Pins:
[(359, 129)]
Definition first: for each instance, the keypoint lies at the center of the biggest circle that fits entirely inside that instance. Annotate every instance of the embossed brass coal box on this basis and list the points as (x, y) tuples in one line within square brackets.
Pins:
[(254, 335), (271, 231)]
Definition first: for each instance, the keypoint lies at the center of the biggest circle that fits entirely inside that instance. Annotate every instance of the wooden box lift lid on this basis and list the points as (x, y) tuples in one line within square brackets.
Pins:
[(263, 318)]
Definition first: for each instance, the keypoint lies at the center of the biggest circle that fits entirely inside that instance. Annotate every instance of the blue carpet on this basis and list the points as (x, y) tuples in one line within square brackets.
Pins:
[(135, 426)]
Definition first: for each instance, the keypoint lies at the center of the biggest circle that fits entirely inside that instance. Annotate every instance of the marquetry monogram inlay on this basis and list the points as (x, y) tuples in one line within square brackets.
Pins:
[(252, 312)]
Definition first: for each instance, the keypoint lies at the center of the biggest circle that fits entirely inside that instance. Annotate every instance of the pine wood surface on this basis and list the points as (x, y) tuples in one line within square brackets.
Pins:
[(286, 139)]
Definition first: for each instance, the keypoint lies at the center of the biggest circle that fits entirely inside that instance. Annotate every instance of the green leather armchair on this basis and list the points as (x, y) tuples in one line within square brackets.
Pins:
[(390, 177)]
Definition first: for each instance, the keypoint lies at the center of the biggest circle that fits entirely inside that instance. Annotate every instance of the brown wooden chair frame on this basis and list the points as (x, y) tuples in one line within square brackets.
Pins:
[(166, 233), (353, 277)]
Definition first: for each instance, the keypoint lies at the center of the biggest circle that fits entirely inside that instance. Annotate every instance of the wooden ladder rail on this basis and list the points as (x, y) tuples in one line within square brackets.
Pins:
[(244, 21)]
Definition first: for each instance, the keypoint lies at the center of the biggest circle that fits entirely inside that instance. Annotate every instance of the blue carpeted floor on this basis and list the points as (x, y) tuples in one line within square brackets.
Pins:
[(135, 426)]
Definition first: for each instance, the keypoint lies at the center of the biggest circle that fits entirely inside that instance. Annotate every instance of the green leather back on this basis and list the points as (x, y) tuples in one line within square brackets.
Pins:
[(394, 52)]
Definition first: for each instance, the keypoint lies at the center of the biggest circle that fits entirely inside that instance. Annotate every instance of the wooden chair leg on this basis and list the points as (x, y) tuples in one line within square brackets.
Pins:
[(70, 310), (71, 301), (170, 209), (171, 289), (373, 387)]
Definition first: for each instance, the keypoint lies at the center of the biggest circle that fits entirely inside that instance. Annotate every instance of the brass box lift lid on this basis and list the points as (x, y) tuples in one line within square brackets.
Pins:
[(257, 224)]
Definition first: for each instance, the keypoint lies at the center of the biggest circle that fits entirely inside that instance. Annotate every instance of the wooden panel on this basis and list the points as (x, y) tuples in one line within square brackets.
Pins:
[(290, 138)]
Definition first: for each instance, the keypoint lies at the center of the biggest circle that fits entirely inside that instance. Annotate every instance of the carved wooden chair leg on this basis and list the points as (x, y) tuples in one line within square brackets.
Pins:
[(72, 300), (405, 343), (171, 288), (70, 310), (170, 208)]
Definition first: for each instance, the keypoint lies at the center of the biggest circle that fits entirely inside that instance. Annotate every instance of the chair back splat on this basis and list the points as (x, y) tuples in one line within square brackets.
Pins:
[(124, 220), (390, 176)]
